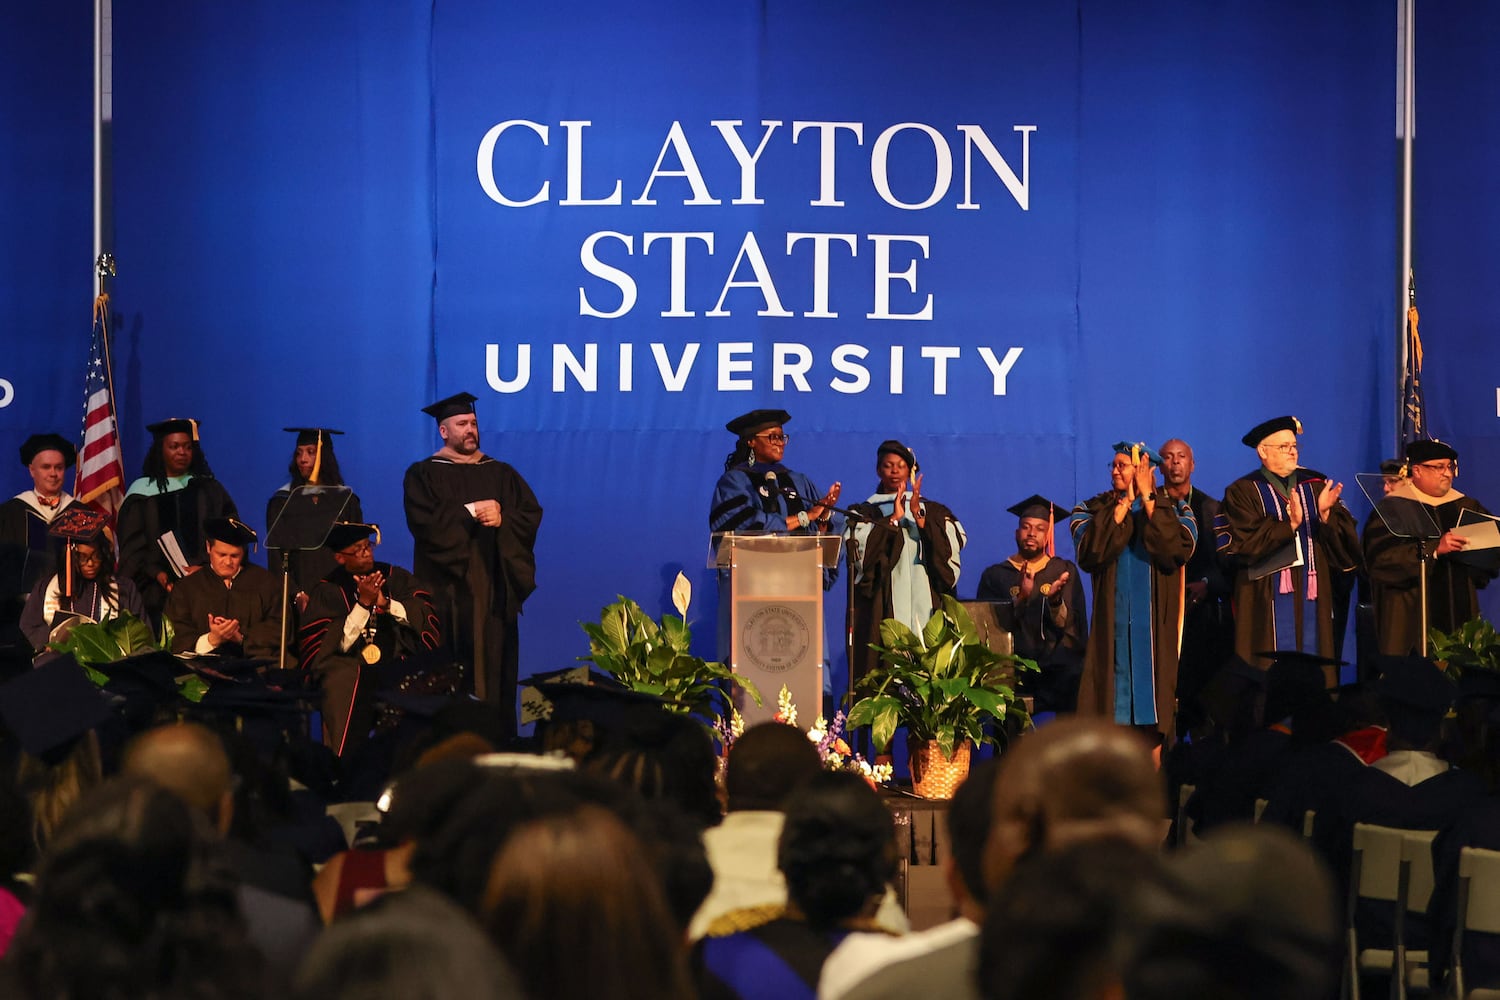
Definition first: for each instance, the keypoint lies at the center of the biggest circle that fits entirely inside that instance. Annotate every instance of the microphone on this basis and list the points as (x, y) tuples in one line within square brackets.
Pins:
[(789, 491)]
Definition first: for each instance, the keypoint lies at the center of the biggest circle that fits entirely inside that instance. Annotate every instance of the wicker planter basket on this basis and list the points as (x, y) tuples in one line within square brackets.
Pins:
[(934, 776)]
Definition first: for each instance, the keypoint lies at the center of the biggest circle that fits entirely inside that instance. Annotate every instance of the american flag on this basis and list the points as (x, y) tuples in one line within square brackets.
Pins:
[(99, 480)]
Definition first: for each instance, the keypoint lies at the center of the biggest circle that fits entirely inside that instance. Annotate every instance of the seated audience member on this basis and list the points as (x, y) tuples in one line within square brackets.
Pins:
[(665, 755), (417, 803), (578, 912), (1054, 930), (176, 494), (766, 765), (231, 607), (1077, 779), (189, 760), (96, 593), (944, 960), (1248, 914), (128, 905), (53, 711), (414, 944), (837, 852)]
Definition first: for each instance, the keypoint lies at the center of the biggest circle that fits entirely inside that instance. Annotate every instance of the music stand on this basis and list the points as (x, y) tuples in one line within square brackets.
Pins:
[(1404, 518), (303, 526)]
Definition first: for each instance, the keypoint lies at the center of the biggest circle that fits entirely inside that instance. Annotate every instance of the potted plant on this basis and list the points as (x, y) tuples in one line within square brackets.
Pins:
[(943, 686), (1473, 645), (653, 657)]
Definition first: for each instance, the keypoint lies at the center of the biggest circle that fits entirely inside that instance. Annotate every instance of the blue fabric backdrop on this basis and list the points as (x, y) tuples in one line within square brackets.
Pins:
[(1199, 234)]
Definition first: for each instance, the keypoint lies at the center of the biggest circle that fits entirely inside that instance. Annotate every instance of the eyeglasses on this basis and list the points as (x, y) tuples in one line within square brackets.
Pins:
[(357, 549), (1450, 467), (773, 438), (85, 558), (1285, 449)]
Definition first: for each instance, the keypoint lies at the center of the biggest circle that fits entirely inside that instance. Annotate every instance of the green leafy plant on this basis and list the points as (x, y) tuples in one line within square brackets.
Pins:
[(653, 658), (1473, 645), (942, 685), (106, 641)]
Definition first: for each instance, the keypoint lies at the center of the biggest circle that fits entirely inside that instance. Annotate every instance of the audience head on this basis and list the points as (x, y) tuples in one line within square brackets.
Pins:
[(837, 848), (1053, 931), (188, 760), (1073, 779), (1249, 913), (574, 904), (969, 816), (666, 755), (767, 762), (1415, 696), (411, 945), (127, 905)]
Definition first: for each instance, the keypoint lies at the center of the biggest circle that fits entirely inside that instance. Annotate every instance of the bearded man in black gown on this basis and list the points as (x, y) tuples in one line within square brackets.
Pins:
[(474, 521)]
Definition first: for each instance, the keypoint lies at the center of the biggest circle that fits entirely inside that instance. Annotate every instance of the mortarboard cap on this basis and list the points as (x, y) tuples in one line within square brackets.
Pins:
[(230, 531), (1477, 682), (894, 447), (1140, 447), (1295, 659), (1415, 683), (462, 402), (1429, 451), (1293, 679), (312, 435), (1260, 432), (604, 701), (174, 425), (752, 423), (51, 706), (1038, 507), (346, 533), (78, 524), (1392, 467), (38, 443)]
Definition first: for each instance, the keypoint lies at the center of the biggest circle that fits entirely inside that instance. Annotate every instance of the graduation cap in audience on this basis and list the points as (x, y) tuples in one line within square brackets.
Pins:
[(38, 443), (1261, 431), (323, 458), (1231, 696), (750, 424), (1293, 679), (1415, 684), (346, 533), (145, 683), (51, 707), (1479, 683), (598, 713), (1135, 449), (174, 425), (229, 531), (454, 405)]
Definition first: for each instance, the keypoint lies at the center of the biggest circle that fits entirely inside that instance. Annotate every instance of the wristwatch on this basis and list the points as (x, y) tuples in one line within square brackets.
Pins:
[(802, 521)]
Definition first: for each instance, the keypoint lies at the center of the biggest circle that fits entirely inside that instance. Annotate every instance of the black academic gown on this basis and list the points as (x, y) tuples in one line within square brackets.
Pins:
[(1258, 532), (1207, 625), (1037, 634), (1478, 826), (1244, 773), (479, 575), (28, 557), (1392, 562), (254, 599), (881, 548), (347, 701), (143, 519)]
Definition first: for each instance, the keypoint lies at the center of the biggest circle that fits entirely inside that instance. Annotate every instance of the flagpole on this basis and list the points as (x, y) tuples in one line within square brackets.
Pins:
[(1406, 127)]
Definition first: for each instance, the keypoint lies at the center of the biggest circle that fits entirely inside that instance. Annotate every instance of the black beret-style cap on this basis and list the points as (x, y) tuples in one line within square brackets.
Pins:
[(454, 405), (312, 435), (752, 423), (894, 447), (1429, 451), (50, 707), (1391, 467), (346, 533), (38, 443), (1039, 507), (229, 531), (174, 425), (1260, 432)]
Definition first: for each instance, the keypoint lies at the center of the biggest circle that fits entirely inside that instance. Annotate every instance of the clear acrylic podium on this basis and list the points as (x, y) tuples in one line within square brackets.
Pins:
[(771, 616)]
